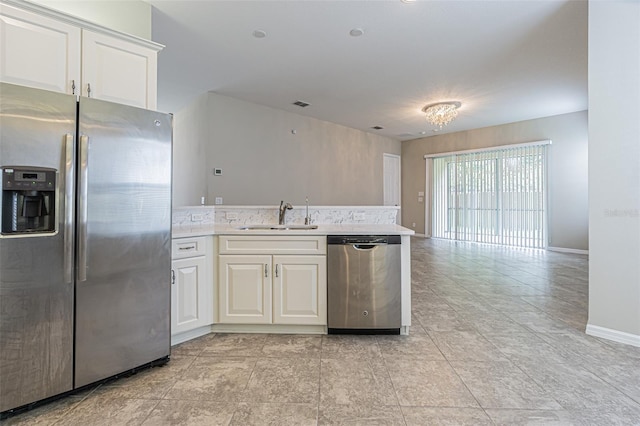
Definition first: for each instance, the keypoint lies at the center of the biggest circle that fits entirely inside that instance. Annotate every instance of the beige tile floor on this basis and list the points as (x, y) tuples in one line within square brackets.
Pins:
[(497, 338)]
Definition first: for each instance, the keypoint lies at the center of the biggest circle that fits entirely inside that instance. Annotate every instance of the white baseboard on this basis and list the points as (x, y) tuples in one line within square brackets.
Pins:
[(419, 235), (615, 335), (188, 335), (269, 328), (568, 250)]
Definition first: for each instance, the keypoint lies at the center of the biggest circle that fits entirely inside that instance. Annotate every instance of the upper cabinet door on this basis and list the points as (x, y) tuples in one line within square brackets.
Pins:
[(37, 51), (118, 71)]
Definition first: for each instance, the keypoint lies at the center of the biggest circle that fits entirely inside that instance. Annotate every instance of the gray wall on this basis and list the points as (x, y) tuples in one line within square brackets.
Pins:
[(263, 161), (189, 153), (614, 168), (567, 170)]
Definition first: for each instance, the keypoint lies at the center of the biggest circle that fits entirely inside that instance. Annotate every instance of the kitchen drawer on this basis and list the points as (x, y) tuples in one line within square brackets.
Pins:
[(188, 247), (272, 244)]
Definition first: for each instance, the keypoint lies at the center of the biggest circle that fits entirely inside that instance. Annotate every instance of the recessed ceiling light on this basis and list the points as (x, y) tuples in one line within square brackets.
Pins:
[(356, 32), (301, 104), (259, 33)]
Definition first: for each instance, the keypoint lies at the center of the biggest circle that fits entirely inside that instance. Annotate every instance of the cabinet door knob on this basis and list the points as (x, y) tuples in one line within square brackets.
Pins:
[(266, 270), (88, 90), (73, 87), (173, 277), (276, 270)]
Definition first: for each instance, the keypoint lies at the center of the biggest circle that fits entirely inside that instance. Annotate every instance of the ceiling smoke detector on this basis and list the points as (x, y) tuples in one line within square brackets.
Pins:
[(259, 33)]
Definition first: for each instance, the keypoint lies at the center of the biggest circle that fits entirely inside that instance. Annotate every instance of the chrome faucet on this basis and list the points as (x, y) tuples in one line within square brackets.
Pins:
[(307, 218), (283, 209)]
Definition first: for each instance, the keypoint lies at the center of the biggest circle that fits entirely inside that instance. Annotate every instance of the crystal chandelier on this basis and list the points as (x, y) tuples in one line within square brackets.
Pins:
[(442, 113)]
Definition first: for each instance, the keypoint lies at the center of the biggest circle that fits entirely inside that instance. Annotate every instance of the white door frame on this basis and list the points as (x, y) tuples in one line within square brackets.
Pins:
[(427, 197)]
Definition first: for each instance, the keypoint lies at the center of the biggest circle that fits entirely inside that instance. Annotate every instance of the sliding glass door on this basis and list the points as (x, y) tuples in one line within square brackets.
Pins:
[(491, 196)]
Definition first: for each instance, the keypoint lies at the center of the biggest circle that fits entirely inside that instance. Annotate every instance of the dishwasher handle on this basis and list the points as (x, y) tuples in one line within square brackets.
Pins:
[(367, 246)]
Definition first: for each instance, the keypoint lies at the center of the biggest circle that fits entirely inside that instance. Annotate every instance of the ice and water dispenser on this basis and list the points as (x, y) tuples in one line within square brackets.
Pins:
[(28, 200)]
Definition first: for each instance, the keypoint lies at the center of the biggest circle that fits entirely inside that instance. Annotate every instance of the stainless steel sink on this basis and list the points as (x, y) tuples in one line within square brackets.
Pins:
[(277, 227)]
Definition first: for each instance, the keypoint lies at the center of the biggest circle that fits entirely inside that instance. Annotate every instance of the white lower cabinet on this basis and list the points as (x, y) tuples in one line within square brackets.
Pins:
[(259, 288), (300, 290), (245, 289), (192, 284)]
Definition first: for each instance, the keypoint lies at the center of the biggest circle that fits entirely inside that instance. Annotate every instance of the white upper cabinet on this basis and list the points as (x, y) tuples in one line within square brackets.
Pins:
[(118, 71), (67, 55), (37, 51)]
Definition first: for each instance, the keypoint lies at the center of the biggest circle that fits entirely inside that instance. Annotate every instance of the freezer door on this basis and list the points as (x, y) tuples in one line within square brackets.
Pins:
[(123, 284), (36, 288)]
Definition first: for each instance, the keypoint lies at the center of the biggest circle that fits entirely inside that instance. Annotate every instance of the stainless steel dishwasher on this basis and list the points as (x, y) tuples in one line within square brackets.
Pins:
[(363, 282)]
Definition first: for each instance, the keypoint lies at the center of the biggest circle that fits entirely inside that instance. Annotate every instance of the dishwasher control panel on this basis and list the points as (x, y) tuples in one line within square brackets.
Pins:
[(363, 239)]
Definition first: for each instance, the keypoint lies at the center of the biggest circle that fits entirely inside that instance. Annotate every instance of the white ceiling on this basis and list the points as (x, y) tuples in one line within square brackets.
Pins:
[(506, 60)]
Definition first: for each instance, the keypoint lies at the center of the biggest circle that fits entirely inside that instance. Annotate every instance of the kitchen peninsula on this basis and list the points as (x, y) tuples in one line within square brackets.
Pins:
[(234, 273)]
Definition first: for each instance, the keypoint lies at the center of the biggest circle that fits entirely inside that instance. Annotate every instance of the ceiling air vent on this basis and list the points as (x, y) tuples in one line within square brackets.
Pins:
[(301, 104), (377, 127)]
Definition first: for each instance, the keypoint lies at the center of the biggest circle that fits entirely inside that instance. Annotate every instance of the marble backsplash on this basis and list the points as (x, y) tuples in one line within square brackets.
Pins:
[(259, 215)]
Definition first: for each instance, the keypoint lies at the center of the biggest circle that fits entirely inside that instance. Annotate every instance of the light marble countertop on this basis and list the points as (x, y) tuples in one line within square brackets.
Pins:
[(332, 229)]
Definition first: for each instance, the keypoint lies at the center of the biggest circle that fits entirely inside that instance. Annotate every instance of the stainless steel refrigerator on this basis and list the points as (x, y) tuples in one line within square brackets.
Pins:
[(85, 244)]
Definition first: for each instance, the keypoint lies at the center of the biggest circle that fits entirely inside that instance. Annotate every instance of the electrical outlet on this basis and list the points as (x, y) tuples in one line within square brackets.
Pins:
[(413, 225), (358, 216), (420, 199), (231, 215), (218, 200), (196, 217)]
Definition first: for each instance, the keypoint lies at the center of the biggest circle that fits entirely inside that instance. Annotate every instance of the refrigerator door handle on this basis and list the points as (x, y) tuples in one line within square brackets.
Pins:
[(69, 172), (82, 208)]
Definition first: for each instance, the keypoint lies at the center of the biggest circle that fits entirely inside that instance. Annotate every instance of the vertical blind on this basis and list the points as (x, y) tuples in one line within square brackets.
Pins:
[(495, 196)]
